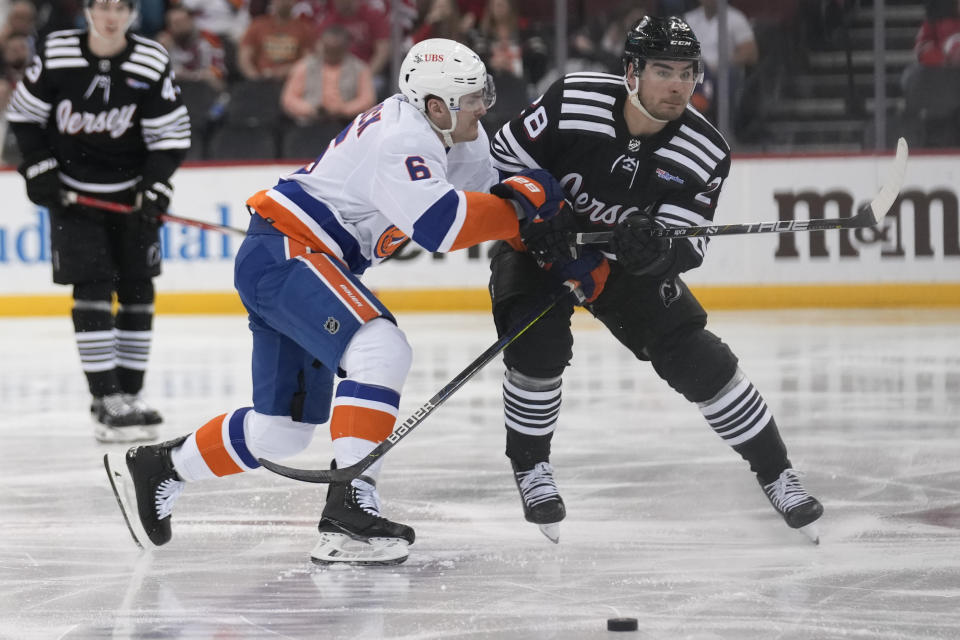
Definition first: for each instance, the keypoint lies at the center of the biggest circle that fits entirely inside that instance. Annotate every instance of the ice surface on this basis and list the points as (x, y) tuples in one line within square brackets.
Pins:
[(664, 522)]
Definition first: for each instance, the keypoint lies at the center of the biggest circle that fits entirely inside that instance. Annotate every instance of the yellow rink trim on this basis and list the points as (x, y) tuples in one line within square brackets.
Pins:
[(898, 295)]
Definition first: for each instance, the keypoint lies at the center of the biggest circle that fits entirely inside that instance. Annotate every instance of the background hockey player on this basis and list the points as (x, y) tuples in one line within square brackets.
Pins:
[(98, 113), (631, 160), (417, 166)]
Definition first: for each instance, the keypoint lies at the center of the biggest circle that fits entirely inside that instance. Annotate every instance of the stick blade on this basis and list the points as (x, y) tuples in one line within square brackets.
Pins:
[(318, 476), (891, 187)]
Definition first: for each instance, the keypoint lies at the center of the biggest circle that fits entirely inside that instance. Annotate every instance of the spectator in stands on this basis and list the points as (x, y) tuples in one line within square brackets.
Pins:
[(54, 15), (274, 42), (369, 31), (507, 44), (228, 19), (21, 21), (151, 17), (498, 40), (194, 54), (472, 11), (330, 83), (741, 49), (741, 46), (618, 22), (931, 84), (16, 54), (443, 20), (938, 41)]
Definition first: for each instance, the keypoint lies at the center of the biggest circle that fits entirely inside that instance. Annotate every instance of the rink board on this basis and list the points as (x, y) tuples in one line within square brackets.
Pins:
[(912, 260)]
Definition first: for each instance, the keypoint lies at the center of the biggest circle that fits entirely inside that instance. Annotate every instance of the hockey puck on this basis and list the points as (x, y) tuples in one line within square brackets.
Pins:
[(621, 624)]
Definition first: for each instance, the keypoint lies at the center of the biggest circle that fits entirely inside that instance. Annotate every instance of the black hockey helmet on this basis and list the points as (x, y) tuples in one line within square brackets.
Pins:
[(130, 3), (658, 38), (134, 5)]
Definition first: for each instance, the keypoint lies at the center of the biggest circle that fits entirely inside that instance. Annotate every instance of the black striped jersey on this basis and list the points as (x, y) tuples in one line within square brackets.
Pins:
[(577, 132), (110, 122)]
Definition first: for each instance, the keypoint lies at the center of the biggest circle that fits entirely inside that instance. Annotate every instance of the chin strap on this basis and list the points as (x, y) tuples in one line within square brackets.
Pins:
[(635, 101), (445, 134)]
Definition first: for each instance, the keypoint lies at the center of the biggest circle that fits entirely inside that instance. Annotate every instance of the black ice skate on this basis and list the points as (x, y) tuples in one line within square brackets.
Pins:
[(146, 486), (116, 420), (799, 509), (542, 504), (353, 532), (148, 415)]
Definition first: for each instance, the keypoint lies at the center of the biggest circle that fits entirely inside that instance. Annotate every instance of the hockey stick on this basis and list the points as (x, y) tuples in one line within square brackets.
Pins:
[(403, 430), (869, 214), (72, 197)]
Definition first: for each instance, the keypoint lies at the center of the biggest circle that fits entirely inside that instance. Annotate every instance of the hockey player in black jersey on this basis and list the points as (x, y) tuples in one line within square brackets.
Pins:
[(98, 114), (632, 155)]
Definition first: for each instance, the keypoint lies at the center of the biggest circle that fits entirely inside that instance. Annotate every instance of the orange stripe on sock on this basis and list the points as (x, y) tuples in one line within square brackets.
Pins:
[(358, 422), (210, 443), (354, 299), (489, 217)]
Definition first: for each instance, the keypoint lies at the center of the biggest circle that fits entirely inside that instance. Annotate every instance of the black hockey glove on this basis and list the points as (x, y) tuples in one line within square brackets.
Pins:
[(551, 240), (637, 250), (153, 201), (43, 180), (536, 194)]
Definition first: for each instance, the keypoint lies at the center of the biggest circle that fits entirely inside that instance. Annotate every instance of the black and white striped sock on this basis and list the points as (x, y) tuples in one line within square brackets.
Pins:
[(93, 331), (531, 407), (134, 336), (531, 412), (738, 412)]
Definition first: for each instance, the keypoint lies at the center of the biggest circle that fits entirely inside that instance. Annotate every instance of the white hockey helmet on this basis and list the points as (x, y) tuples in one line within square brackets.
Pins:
[(447, 70)]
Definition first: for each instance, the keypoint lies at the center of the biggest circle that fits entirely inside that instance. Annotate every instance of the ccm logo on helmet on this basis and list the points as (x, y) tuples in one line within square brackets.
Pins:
[(428, 57)]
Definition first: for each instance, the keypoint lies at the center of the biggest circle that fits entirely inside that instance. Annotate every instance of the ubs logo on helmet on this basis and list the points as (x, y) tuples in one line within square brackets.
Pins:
[(428, 57)]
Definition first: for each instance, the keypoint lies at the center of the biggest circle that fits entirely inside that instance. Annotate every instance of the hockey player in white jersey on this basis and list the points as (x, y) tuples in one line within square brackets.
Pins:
[(415, 167)]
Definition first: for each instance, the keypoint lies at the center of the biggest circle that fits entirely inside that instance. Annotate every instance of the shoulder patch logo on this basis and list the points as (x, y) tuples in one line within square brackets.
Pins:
[(390, 241), (669, 177), (670, 291), (332, 325)]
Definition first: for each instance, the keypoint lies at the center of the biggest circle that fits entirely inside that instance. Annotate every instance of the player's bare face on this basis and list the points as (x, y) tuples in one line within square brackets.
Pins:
[(110, 20), (666, 87)]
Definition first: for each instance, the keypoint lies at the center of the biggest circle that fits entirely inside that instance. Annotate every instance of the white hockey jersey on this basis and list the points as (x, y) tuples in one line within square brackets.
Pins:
[(383, 179)]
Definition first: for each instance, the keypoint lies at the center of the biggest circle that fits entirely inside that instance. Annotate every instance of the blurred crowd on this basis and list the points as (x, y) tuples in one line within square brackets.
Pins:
[(931, 85), (274, 78)]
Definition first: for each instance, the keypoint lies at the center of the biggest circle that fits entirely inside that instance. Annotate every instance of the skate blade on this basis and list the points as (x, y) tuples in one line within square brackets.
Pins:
[(113, 435), (339, 548), (122, 486), (552, 531), (811, 531)]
